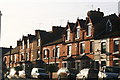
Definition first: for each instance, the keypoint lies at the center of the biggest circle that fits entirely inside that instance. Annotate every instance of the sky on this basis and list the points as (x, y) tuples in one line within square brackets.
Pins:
[(22, 17)]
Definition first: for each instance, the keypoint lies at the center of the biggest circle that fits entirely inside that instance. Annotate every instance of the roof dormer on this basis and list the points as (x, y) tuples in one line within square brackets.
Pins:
[(108, 26)]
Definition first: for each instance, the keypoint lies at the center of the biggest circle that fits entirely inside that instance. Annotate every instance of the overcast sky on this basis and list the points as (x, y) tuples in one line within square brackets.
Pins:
[(22, 17)]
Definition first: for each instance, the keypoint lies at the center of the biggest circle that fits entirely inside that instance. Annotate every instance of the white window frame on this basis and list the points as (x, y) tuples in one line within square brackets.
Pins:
[(23, 43), (89, 29), (115, 39), (38, 53), (69, 51), (45, 54), (78, 32), (28, 42), (57, 51), (68, 35), (15, 58), (38, 42), (115, 59)]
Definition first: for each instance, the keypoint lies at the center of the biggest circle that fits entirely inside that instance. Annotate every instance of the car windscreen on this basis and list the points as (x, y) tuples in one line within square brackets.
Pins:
[(41, 71)]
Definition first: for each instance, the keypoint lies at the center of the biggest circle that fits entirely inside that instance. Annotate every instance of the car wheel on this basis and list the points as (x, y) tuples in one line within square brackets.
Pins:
[(84, 78), (59, 77)]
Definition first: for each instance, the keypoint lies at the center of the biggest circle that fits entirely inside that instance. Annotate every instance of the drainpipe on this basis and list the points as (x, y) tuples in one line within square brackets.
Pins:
[(55, 55), (10, 55)]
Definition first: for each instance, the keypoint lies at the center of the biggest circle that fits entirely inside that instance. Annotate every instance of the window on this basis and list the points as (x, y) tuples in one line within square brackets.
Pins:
[(78, 32), (53, 52), (82, 48), (68, 35), (45, 53), (116, 63), (27, 56), (38, 54), (116, 46), (28, 43), (57, 51), (78, 65), (22, 56), (103, 63), (38, 42), (15, 58), (91, 46), (69, 50), (64, 65), (23, 44), (103, 47), (11, 57), (89, 29)]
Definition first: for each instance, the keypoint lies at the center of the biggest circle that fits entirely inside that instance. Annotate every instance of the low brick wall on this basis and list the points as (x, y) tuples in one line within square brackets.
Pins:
[(55, 76)]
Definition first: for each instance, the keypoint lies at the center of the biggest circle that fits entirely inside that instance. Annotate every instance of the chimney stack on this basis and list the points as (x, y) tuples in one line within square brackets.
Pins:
[(98, 9)]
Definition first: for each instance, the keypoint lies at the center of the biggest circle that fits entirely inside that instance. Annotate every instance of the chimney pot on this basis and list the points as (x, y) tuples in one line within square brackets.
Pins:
[(98, 9)]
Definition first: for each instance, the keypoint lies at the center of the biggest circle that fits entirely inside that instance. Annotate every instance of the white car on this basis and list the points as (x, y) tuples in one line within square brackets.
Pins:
[(39, 73), (22, 74), (66, 73), (12, 73), (87, 73)]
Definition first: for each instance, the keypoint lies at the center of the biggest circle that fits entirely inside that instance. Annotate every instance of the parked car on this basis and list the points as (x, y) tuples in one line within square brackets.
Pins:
[(39, 73), (66, 73), (87, 73), (22, 74), (109, 72), (13, 73)]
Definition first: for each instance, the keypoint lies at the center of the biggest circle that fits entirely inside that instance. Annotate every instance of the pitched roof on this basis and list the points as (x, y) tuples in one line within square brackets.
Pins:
[(53, 37), (81, 22), (100, 28), (4, 50), (95, 16), (31, 37), (71, 25), (13, 51)]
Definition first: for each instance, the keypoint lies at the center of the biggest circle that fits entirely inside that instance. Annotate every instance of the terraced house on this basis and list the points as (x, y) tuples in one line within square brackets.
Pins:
[(94, 42)]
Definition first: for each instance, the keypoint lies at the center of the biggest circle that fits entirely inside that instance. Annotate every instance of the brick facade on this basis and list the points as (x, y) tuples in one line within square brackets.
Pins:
[(78, 45)]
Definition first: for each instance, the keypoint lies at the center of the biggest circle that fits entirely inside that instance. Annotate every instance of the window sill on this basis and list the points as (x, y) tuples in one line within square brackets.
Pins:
[(89, 35), (68, 55), (54, 57), (77, 38), (117, 52)]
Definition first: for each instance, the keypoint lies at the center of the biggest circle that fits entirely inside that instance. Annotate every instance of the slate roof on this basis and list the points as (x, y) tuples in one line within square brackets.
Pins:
[(13, 51), (4, 50), (31, 37), (100, 28), (53, 37), (81, 22), (95, 16)]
